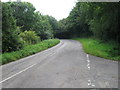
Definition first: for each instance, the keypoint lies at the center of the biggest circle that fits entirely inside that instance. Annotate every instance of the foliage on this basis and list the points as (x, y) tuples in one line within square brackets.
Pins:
[(54, 24), (24, 14), (96, 47), (46, 29), (103, 20), (28, 19), (98, 20), (10, 38), (29, 37), (28, 50), (19, 17), (93, 19)]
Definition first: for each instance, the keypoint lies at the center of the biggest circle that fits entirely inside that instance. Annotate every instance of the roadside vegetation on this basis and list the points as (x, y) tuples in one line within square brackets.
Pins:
[(24, 28), (97, 20), (25, 31), (28, 50), (96, 47)]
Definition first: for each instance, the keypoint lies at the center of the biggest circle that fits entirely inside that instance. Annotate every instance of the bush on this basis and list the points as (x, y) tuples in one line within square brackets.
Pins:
[(27, 50), (29, 37)]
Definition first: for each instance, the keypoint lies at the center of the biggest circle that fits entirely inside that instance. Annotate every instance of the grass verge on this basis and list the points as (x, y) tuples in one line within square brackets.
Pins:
[(28, 50), (97, 48)]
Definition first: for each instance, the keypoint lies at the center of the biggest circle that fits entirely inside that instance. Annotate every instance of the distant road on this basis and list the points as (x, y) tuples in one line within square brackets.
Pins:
[(62, 66)]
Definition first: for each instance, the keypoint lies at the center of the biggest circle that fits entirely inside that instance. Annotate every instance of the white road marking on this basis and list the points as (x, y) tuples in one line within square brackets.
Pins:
[(93, 85), (107, 84), (87, 56), (88, 62), (17, 73), (90, 83), (88, 66), (21, 71)]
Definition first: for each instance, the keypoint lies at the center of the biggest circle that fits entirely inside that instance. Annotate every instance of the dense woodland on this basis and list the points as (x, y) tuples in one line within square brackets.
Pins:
[(22, 24), (92, 19)]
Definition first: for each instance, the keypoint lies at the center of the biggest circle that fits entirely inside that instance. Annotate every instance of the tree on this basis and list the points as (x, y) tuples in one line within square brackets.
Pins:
[(10, 38), (54, 23), (28, 19), (24, 15), (43, 27), (97, 19)]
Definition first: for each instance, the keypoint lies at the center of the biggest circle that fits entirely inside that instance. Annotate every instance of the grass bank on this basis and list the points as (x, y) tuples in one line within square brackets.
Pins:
[(28, 50), (95, 47)]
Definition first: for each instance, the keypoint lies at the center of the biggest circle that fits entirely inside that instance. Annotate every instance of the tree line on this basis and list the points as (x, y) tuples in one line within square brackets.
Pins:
[(99, 20), (22, 25)]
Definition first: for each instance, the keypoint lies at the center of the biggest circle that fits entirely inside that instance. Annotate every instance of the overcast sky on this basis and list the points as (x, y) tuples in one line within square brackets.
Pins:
[(57, 8)]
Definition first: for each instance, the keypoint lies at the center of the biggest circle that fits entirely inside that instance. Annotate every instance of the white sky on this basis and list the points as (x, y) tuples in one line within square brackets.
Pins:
[(57, 8)]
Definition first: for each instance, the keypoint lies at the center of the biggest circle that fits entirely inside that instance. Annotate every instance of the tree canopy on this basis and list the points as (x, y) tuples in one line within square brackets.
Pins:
[(10, 38), (93, 19), (87, 19), (20, 17)]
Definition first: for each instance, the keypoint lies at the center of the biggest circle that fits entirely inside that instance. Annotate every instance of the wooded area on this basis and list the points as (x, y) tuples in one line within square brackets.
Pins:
[(23, 25), (93, 19)]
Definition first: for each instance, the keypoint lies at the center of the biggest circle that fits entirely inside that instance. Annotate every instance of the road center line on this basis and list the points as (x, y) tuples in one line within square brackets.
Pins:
[(90, 83), (87, 56), (88, 66), (88, 62), (107, 84), (17, 73)]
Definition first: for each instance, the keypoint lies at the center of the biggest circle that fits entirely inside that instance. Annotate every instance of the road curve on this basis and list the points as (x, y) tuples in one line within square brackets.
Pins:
[(62, 66)]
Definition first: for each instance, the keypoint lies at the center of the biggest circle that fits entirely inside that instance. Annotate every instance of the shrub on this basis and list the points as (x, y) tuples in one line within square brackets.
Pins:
[(27, 50), (29, 37)]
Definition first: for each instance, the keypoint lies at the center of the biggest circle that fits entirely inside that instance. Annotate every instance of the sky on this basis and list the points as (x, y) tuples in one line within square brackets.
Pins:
[(59, 9)]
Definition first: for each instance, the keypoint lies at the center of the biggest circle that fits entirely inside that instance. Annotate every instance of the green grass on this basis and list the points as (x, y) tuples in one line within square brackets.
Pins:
[(28, 50), (95, 47)]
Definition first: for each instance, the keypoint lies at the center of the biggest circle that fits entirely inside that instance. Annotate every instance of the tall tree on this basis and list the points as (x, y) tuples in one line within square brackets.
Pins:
[(10, 38), (24, 14)]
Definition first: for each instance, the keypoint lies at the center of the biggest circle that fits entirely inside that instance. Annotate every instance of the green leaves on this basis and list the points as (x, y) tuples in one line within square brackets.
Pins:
[(24, 14), (19, 17), (28, 19), (27, 50), (93, 19), (29, 37), (10, 39)]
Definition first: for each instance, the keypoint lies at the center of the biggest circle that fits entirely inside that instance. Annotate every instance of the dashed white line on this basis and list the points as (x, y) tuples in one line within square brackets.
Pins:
[(93, 85), (17, 73), (88, 66), (90, 83), (88, 62), (107, 84), (87, 55)]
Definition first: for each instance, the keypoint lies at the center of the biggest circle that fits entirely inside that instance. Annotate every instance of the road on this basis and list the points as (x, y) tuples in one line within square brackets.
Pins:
[(62, 66)]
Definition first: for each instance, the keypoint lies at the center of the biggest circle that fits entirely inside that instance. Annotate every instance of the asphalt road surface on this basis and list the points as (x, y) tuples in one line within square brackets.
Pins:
[(62, 66)]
